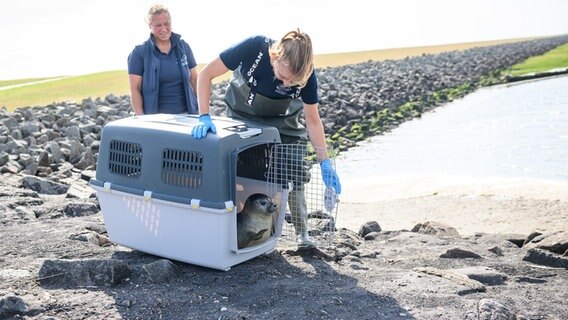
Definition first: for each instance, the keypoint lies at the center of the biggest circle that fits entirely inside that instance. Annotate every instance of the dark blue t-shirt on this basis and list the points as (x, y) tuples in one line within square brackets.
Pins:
[(252, 55), (171, 98)]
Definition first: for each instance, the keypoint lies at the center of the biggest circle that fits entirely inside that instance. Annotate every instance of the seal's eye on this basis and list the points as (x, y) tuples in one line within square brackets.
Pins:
[(263, 202)]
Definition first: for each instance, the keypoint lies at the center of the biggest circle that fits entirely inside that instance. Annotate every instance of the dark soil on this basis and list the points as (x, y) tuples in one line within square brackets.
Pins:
[(54, 266)]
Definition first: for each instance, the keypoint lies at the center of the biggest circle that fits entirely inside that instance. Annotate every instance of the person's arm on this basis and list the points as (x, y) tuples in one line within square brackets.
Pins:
[(193, 78), (192, 66), (317, 138), (136, 93), (211, 71), (315, 130)]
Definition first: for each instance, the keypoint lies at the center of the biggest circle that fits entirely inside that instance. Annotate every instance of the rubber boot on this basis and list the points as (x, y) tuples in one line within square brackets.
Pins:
[(299, 210)]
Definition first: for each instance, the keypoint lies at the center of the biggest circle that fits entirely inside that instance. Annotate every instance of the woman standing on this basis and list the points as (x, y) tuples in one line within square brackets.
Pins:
[(162, 71), (273, 82)]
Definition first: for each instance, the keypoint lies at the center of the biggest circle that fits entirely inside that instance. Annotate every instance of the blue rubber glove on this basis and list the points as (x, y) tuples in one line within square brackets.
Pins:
[(205, 124), (329, 175)]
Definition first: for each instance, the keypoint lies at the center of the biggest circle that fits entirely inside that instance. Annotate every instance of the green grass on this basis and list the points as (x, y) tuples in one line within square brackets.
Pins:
[(67, 89), (556, 58)]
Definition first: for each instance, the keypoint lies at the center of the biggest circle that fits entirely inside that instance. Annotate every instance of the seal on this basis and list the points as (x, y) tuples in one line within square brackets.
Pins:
[(255, 222)]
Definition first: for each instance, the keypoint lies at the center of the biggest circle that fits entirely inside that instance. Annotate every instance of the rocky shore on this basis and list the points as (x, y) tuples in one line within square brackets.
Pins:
[(56, 261)]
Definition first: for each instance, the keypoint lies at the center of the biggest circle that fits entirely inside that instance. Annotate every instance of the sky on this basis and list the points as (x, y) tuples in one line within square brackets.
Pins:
[(48, 38)]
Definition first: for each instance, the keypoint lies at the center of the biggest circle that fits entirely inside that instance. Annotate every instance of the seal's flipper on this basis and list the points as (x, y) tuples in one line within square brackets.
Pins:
[(257, 235)]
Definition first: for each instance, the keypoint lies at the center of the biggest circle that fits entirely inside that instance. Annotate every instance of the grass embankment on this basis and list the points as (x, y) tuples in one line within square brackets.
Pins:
[(65, 89), (554, 59), (101, 84)]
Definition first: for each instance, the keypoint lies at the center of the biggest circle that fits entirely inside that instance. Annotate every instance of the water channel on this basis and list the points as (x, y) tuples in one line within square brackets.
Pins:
[(512, 130)]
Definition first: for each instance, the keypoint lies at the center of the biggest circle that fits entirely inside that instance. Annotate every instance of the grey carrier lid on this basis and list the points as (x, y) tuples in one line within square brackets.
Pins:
[(157, 155)]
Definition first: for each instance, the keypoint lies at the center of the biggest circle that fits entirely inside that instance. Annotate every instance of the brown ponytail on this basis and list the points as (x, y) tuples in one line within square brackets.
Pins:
[(295, 47)]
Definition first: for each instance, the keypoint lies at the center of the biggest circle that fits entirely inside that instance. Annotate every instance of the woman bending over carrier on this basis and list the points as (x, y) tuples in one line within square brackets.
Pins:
[(273, 82)]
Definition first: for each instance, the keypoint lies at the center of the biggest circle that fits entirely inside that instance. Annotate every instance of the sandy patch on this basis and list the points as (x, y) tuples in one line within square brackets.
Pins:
[(495, 205)]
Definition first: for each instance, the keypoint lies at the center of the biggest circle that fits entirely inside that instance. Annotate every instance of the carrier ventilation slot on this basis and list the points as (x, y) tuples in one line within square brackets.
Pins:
[(125, 158), (253, 162), (182, 168)]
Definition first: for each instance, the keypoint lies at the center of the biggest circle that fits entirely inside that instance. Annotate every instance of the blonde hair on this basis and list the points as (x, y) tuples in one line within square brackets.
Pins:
[(295, 47), (154, 10)]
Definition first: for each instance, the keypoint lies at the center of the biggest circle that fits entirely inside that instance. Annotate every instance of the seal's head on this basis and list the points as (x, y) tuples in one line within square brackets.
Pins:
[(259, 204), (255, 223)]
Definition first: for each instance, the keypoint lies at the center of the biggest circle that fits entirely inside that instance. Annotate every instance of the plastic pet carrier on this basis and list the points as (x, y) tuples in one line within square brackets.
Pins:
[(165, 193)]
